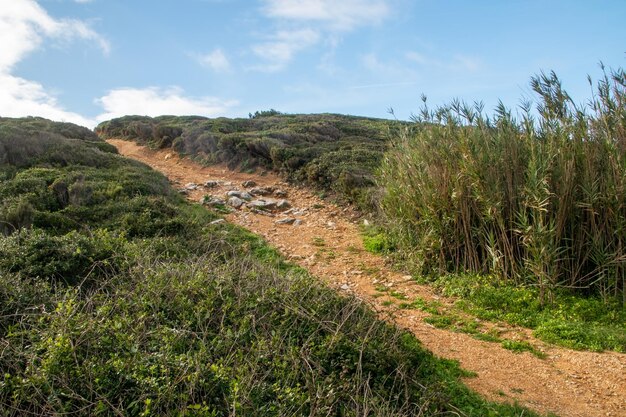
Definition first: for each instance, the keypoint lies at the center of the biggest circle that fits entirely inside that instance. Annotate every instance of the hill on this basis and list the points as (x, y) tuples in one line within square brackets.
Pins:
[(117, 297), (332, 152)]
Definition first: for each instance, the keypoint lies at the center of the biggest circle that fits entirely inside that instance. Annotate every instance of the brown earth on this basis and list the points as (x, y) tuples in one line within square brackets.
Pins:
[(327, 242)]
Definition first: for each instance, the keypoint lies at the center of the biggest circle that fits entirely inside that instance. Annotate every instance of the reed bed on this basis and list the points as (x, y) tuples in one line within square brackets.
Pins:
[(532, 198)]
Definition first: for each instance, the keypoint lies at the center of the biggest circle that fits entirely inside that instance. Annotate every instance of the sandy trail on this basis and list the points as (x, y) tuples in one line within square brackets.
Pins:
[(328, 244)]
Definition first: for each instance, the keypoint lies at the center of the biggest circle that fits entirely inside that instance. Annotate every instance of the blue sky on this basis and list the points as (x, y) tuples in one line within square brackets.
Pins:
[(86, 61)]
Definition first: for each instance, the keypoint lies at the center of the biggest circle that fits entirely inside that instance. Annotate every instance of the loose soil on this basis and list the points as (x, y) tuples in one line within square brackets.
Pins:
[(328, 243)]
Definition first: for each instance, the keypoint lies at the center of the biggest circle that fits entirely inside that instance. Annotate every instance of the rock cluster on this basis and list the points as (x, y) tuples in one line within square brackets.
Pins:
[(262, 200)]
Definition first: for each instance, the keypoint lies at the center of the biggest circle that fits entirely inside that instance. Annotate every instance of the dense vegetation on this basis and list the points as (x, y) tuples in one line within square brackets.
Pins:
[(332, 152), (119, 298), (538, 202)]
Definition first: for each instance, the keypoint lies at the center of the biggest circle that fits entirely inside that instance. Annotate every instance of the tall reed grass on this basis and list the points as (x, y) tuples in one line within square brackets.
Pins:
[(535, 198)]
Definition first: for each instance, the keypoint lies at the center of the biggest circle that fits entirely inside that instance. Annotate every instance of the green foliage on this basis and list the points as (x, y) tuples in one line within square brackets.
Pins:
[(15, 214), (538, 201), (375, 240), (264, 113), (123, 299), (570, 320), (520, 346), (377, 243)]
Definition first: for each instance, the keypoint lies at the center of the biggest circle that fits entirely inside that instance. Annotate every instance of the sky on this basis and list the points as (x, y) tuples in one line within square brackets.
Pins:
[(87, 61)]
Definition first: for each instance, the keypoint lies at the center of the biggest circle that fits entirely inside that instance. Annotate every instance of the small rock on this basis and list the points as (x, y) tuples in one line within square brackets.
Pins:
[(366, 223), (191, 186), (168, 156), (183, 191), (286, 220), (262, 204), (209, 200), (280, 193), (248, 184), (283, 204), (240, 194), (235, 202), (345, 287), (218, 221), (262, 212), (298, 222), (260, 191), (211, 184)]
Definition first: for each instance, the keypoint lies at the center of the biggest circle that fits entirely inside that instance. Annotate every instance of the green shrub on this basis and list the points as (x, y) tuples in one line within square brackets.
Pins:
[(378, 243), (15, 214)]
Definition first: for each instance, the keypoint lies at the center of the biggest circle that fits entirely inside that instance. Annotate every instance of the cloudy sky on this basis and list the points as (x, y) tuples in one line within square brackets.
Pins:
[(86, 61)]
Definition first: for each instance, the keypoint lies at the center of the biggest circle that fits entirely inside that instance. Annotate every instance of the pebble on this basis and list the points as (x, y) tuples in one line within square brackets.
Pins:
[(286, 220)]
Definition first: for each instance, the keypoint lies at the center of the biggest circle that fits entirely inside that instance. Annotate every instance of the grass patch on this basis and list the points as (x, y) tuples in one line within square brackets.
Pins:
[(375, 241), (570, 320), (419, 303), (519, 346)]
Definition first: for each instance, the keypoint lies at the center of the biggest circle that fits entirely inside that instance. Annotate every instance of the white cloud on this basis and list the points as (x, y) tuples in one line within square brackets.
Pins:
[(155, 101), (337, 14), (215, 60), (303, 23), (281, 48), (23, 27), (23, 24), (20, 97)]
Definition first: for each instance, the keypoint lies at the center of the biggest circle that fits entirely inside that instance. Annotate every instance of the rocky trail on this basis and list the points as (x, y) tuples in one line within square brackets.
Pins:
[(325, 239)]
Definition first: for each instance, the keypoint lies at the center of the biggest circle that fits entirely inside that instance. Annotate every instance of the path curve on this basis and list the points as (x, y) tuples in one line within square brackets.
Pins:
[(328, 244)]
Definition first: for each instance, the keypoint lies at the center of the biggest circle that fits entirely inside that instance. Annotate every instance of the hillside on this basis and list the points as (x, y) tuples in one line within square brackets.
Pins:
[(331, 152), (117, 297), (505, 363)]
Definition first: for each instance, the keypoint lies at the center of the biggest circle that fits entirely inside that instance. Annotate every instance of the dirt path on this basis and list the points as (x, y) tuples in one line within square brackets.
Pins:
[(327, 242)]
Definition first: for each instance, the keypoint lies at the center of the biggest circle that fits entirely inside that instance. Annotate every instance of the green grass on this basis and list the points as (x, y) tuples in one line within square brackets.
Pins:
[(117, 297), (571, 321), (522, 346), (376, 240)]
